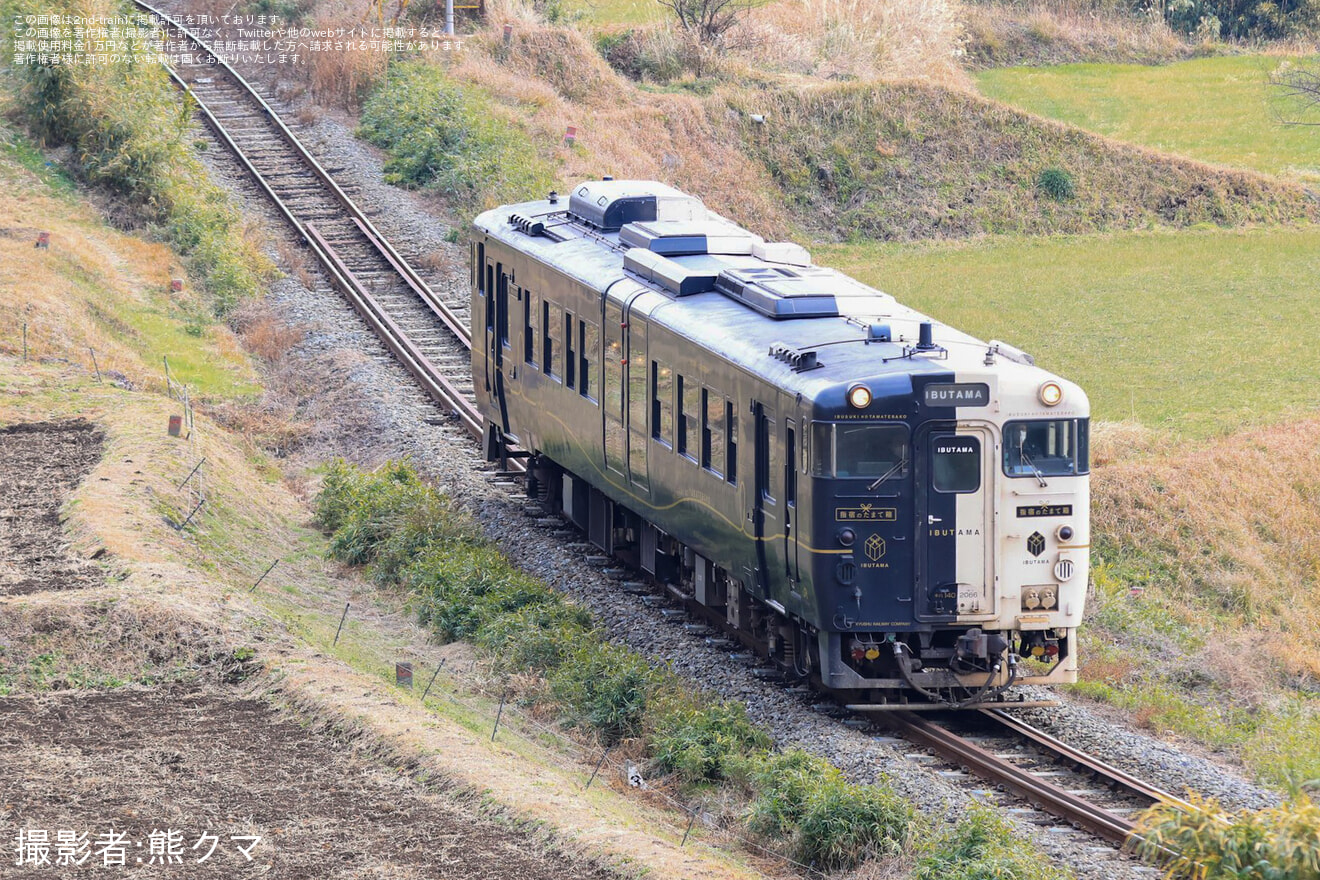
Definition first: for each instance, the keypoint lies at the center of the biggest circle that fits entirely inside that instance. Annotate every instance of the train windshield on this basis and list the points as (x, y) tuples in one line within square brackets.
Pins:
[(1047, 448), (869, 451)]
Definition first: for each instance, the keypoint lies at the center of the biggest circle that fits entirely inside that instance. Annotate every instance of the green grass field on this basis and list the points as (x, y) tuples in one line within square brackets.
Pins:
[(1197, 332), (1218, 110)]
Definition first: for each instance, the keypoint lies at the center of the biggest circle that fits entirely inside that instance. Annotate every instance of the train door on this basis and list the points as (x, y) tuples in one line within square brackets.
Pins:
[(613, 394), (791, 439), (767, 488), (497, 333), (638, 403), (955, 479)]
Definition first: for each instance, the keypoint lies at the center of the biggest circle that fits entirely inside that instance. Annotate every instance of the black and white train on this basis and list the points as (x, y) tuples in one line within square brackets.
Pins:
[(872, 498)]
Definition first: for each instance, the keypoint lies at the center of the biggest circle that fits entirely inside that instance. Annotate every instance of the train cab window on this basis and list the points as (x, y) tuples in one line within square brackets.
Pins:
[(713, 428), (531, 327), (589, 359), (662, 402), (478, 260), (553, 327), (1047, 448), (859, 451), (955, 464), (689, 417)]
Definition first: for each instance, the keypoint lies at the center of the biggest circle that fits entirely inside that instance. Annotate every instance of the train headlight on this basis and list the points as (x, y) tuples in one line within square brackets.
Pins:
[(1051, 394), (859, 397)]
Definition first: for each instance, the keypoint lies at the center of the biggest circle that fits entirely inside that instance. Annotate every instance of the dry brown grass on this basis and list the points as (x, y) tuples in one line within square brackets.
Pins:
[(93, 288), (857, 39), (553, 77), (1040, 32), (1240, 522)]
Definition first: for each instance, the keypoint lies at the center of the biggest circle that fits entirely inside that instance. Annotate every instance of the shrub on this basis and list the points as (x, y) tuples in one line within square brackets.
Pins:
[(980, 846), (702, 743), (606, 688), (1211, 844), (129, 129), (536, 638), (364, 510), (1056, 183), (826, 819), (450, 138)]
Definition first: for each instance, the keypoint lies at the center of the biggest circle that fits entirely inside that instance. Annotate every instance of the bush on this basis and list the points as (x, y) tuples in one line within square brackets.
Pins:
[(537, 638), (980, 847), (606, 688), (364, 510), (1056, 183), (827, 820), (703, 743), (1282, 842), (129, 129), (447, 137)]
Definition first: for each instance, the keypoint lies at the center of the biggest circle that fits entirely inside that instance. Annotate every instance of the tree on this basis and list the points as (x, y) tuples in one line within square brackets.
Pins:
[(1297, 87), (707, 20)]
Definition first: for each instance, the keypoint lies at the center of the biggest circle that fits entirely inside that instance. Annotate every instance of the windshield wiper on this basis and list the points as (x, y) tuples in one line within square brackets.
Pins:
[(1034, 470), (886, 475)]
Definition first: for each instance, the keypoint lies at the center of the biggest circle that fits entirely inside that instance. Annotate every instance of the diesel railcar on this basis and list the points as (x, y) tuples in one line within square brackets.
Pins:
[(872, 498)]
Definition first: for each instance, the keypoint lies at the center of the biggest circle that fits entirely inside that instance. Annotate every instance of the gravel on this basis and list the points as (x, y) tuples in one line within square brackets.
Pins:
[(364, 407)]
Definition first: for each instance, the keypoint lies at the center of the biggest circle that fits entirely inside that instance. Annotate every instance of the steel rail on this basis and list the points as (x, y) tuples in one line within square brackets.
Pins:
[(1110, 774), (1050, 797), (410, 275), (430, 378)]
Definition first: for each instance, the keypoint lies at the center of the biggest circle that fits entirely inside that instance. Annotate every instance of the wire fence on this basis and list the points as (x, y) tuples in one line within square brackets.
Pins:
[(508, 719)]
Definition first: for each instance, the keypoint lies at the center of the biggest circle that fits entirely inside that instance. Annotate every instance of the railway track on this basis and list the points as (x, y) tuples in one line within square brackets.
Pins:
[(430, 337), (427, 334), (1058, 781)]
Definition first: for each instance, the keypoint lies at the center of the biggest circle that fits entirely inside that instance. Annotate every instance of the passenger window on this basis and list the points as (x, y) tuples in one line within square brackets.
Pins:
[(589, 343), (570, 356), (531, 326), (956, 464), (554, 326), (689, 417), (662, 402), (712, 432), (731, 423)]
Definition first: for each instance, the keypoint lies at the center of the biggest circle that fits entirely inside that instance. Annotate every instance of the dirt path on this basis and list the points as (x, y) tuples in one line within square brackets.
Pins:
[(40, 464)]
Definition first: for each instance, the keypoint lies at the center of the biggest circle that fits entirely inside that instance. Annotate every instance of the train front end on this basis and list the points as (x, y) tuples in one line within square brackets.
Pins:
[(950, 506)]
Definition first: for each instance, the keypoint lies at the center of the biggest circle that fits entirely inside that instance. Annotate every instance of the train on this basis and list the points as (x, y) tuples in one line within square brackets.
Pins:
[(873, 500)]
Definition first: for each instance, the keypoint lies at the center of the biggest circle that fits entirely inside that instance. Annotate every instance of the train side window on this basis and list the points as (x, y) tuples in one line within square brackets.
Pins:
[(502, 308), (570, 356), (478, 260), (554, 326), (713, 430), (790, 463), (731, 422), (662, 402), (689, 418), (589, 353), (531, 326)]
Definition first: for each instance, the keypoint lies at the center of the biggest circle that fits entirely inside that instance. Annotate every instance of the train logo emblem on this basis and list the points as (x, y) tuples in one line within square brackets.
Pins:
[(1036, 544), (874, 547)]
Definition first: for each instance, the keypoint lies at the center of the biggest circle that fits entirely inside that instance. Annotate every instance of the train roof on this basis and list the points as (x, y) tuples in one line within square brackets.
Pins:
[(762, 305)]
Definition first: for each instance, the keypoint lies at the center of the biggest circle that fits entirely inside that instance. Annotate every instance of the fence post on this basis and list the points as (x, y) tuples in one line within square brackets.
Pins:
[(25, 342), (342, 618), (96, 366), (500, 714), (599, 764), (434, 675), (268, 570)]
